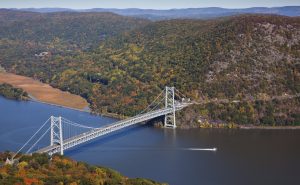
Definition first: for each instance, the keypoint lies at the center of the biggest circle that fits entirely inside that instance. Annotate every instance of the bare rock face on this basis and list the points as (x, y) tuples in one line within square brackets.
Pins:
[(261, 55)]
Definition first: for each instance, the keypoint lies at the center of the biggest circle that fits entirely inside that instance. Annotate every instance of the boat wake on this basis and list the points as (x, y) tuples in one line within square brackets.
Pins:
[(156, 149), (202, 149)]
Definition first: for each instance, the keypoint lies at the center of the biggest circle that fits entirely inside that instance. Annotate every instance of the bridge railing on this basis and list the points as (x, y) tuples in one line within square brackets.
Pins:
[(62, 137), (94, 133)]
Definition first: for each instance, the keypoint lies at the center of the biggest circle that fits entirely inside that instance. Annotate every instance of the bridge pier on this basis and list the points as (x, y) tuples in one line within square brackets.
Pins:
[(170, 119), (56, 135)]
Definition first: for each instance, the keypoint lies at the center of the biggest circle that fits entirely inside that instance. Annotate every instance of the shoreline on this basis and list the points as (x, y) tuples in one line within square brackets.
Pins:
[(57, 105), (120, 117), (289, 127), (246, 127), (113, 116), (44, 92)]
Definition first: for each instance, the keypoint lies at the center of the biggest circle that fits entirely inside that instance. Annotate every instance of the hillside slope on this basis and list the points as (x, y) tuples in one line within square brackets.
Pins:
[(79, 29), (41, 169), (244, 54), (250, 56), (240, 57)]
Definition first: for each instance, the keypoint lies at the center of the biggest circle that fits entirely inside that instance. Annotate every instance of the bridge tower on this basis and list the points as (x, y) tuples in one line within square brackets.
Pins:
[(170, 121), (56, 135)]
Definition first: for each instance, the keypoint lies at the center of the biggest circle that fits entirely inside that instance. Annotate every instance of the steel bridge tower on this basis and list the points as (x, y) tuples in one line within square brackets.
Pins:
[(170, 121), (56, 135)]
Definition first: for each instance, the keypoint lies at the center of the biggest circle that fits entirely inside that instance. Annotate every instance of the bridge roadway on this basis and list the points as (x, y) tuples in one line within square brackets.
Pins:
[(97, 132)]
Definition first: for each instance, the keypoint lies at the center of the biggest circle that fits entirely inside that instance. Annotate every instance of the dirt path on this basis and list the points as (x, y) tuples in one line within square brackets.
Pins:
[(44, 92)]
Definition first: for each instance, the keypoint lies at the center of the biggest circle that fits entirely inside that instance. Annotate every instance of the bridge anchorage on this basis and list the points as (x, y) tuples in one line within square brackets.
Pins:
[(65, 134)]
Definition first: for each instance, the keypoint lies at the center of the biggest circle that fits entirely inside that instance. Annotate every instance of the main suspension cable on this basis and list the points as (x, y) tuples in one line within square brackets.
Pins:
[(30, 139), (38, 140), (151, 103), (76, 124)]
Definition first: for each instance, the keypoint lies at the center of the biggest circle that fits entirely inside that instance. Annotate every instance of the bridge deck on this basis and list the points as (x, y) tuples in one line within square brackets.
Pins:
[(94, 133)]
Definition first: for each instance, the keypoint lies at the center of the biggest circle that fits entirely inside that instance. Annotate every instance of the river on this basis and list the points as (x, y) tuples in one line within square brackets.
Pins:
[(268, 157)]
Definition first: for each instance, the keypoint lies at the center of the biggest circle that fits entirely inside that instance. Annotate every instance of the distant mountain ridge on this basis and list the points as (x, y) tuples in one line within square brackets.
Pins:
[(194, 13)]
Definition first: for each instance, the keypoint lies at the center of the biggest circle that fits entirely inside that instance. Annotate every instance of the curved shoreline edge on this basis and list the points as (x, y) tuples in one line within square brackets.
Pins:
[(57, 105), (117, 117), (44, 92)]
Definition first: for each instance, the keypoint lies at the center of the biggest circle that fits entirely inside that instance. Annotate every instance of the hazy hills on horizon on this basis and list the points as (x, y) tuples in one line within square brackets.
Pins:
[(194, 13)]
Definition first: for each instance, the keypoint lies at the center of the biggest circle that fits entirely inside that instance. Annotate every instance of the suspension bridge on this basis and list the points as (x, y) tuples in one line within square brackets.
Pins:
[(65, 134)]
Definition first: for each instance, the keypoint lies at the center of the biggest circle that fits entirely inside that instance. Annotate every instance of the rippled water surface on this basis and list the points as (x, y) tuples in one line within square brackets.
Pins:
[(173, 156)]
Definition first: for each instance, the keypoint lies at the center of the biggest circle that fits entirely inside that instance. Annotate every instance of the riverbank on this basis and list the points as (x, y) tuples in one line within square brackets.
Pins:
[(269, 127), (109, 115), (62, 106), (209, 125), (44, 93), (10, 92)]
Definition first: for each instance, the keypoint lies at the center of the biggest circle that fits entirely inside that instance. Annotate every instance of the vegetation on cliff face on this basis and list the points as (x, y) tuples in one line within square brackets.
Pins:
[(39, 169), (271, 113), (8, 91), (240, 57)]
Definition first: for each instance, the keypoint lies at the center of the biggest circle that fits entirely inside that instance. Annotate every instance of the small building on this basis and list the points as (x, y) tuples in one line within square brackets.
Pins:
[(42, 54), (9, 161)]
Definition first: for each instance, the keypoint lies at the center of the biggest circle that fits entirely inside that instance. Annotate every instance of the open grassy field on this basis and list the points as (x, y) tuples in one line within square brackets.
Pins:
[(44, 92)]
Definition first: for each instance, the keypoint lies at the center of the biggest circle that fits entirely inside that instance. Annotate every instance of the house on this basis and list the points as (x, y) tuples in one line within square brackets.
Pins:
[(42, 54)]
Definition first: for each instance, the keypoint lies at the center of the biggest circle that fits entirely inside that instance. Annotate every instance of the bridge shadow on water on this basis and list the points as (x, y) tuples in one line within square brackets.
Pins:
[(108, 138)]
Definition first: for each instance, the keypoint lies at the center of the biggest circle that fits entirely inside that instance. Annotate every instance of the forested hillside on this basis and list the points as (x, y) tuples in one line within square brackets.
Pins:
[(243, 57), (77, 30), (41, 169), (8, 91), (27, 38)]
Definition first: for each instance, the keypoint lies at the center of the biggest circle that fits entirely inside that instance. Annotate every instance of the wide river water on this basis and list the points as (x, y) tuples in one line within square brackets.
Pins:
[(267, 157)]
